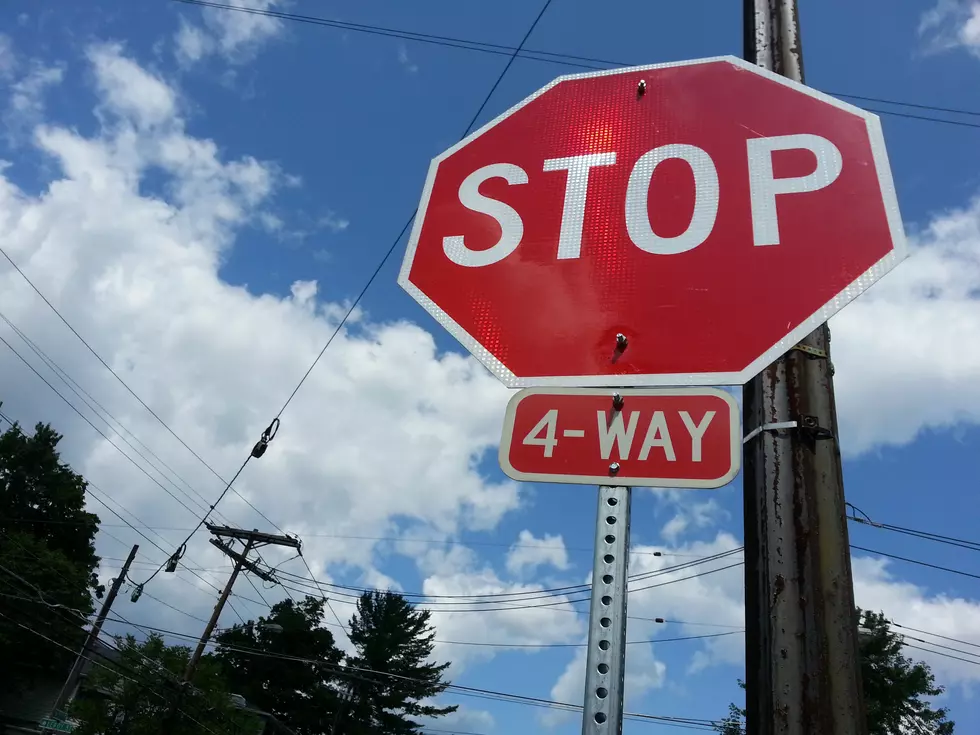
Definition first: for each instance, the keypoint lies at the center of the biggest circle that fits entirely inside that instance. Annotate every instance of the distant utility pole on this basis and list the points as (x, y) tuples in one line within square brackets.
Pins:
[(252, 540), (76, 670), (801, 647)]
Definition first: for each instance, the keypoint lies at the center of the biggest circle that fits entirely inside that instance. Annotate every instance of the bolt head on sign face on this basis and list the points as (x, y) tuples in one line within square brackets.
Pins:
[(688, 235)]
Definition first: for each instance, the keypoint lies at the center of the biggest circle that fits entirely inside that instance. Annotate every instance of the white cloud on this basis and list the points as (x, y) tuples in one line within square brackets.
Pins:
[(465, 719), (25, 107), (529, 553), (385, 427), (8, 59), (515, 622), (405, 61), (644, 672), (877, 589), (951, 24), (331, 221), (903, 357), (237, 35), (130, 90)]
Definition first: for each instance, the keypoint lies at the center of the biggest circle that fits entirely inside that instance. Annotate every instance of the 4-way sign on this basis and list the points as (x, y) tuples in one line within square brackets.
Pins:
[(676, 224), (681, 437)]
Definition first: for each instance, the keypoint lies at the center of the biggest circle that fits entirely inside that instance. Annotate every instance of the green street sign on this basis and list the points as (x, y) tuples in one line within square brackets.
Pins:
[(57, 725)]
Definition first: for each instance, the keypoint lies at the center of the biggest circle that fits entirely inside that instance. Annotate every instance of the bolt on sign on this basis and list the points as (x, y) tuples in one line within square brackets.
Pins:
[(680, 437), (675, 224)]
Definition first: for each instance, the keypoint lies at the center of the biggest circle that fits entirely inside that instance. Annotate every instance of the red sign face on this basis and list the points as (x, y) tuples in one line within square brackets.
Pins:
[(683, 437), (711, 212)]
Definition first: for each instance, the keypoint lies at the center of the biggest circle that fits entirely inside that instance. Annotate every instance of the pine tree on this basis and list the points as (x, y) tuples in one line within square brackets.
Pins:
[(391, 674), (295, 681)]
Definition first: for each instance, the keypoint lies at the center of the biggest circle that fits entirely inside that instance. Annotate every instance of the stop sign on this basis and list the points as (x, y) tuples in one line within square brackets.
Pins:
[(676, 224)]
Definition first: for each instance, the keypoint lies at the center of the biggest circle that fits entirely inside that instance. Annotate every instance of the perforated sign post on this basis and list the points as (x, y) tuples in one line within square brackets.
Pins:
[(671, 225)]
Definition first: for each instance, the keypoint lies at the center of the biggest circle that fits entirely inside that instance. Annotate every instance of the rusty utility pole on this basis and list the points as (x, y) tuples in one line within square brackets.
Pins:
[(801, 648)]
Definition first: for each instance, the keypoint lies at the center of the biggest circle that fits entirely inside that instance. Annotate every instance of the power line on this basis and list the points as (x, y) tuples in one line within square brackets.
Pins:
[(553, 605), (101, 433), (406, 539), (582, 62), (937, 635), (408, 222), (928, 535), (919, 563), (525, 596), (88, 399), (130, 390), (463, 690), (114, 668)]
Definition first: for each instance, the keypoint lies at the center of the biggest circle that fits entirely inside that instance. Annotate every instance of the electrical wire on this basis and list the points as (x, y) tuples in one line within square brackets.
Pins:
[(101, 433), (88, 400), (130, 390), (114, 668), (436, 601), (411, 540), (914, 561), (928, 535), (582, 62), (937, 635), (483, 644), (371, 279), (456, 688)]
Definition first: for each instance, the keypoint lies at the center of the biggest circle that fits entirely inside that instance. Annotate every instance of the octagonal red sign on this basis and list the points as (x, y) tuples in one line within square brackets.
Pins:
[(676, 224)]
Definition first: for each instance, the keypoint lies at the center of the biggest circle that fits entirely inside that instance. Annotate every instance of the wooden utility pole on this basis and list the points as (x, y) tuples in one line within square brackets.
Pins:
[(801, 648), (252, 540), (71, 683)]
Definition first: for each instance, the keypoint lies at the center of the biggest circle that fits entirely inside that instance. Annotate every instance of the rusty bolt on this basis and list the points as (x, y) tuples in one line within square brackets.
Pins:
[(617, 402), (641, 88)]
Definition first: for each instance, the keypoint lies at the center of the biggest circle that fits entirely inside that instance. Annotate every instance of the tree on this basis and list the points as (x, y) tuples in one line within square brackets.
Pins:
[(47, 556), (300, 693), (390, 675), (894, 687), (135, 693)]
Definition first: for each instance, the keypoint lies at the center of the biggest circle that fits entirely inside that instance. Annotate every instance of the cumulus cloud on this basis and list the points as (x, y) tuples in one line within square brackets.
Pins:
[(386, 431), (235, 35), (925, 306), (877, 588), (522, 615), (530, 552), (951, 24)]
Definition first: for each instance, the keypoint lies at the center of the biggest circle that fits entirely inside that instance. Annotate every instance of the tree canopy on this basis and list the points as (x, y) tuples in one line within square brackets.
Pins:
[(139, 693), (292, 672), (390, 674), (895, 687), (47, 556)]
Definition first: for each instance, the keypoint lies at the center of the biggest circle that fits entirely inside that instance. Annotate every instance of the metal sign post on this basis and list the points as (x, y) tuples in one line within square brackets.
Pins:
[(606, 666)]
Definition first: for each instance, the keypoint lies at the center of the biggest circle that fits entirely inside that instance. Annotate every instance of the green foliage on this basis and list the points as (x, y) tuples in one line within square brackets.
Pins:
[(302, 694), (894, 686), (47, 553), (393, 637), (140, 694)]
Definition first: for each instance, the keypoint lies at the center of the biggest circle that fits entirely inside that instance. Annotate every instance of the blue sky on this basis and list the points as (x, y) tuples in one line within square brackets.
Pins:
[(201, 193)]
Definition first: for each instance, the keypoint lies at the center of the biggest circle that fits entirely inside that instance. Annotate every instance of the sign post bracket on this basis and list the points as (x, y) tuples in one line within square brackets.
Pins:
[(606, 660)]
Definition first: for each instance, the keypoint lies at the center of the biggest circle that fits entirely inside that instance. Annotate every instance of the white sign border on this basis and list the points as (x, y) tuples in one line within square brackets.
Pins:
[(735, 429), (898, 253)]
